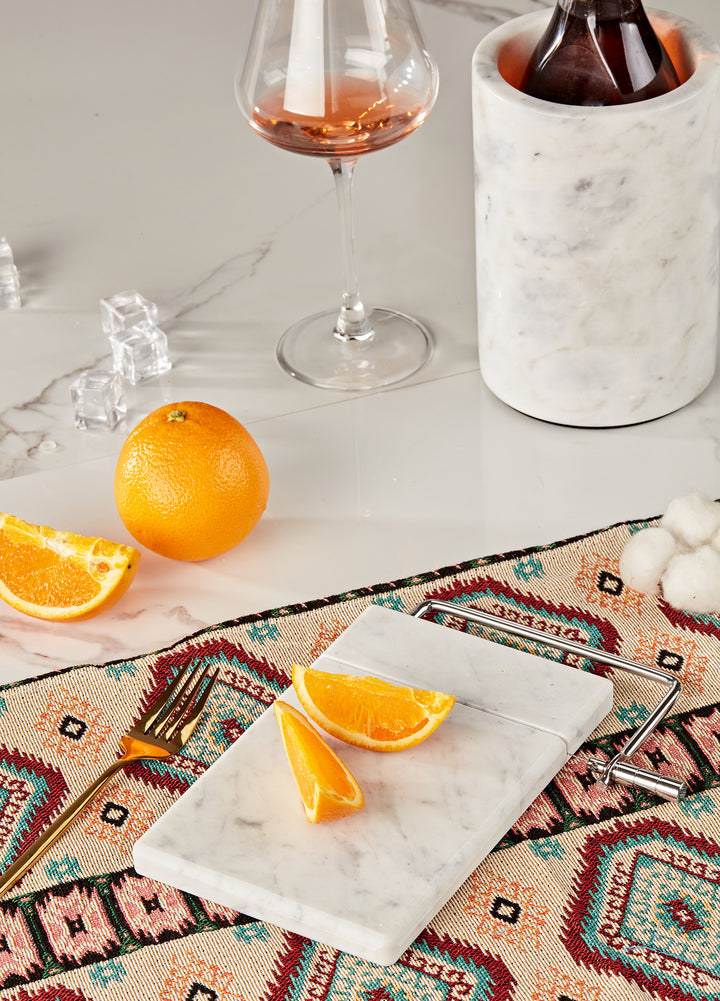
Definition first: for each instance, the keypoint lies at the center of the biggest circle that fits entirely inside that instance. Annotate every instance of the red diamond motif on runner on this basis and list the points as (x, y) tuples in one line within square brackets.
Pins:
[(683, 915)]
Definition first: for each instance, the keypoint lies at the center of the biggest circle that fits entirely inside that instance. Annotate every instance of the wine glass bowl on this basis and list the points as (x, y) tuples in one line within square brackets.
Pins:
[(358, 118), (338, 79)]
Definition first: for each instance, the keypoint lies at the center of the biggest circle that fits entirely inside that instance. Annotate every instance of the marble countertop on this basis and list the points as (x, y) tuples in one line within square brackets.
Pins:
[(126, 164)]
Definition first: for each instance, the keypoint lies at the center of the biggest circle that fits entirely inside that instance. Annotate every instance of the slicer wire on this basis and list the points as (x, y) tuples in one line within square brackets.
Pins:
[(619, 768)]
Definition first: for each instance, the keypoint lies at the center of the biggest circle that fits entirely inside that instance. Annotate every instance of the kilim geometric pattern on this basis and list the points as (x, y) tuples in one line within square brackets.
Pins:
[(595, 893), (646, 903)]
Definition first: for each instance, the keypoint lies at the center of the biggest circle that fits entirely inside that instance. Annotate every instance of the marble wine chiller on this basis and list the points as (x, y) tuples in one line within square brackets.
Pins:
[(597, 236)]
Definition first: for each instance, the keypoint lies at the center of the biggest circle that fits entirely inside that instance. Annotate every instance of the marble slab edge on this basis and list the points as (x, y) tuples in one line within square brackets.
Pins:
[(383, 947)]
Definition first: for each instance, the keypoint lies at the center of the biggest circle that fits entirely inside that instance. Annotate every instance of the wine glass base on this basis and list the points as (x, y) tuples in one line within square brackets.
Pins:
[(311, 352)]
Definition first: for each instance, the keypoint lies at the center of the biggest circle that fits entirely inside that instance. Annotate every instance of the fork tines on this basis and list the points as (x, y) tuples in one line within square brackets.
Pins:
[(172, 705)]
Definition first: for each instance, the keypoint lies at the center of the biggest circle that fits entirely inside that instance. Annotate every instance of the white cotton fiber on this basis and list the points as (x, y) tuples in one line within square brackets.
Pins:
[(693, 519), (645, 558), (692, 581)]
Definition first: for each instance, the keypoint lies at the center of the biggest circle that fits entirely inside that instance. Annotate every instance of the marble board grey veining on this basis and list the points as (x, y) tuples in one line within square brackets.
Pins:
[(370, 883)]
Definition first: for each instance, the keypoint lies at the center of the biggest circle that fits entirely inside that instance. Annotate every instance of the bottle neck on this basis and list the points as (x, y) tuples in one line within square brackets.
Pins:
[(604, 10)]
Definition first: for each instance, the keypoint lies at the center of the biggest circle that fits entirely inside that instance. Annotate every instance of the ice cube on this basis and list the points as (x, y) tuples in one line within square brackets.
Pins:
[(98, 399), (140, 352), (127, 309), (9, 280)]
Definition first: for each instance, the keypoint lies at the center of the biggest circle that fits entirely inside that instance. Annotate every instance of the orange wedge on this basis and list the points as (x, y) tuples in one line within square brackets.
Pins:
[(60, 576), (327, 789), (369, 712)]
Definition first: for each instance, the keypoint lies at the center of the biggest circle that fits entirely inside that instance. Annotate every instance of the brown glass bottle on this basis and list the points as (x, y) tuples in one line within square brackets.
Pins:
[(599, 52)]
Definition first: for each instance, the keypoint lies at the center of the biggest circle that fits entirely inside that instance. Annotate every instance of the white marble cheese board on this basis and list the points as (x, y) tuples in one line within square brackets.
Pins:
[(368, 884)]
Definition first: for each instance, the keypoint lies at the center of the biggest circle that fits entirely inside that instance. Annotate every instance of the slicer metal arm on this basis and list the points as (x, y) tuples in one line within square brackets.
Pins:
[(618, 769)]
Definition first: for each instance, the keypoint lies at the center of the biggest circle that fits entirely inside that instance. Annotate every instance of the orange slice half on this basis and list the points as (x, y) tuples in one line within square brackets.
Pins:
[(327, 789), (369, 712), (60, 576)]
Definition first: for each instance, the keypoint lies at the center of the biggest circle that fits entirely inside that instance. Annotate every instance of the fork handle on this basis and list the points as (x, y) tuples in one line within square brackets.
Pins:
[(58, 827)]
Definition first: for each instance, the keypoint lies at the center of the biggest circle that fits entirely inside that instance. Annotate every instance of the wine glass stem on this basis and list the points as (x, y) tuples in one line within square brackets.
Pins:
[(352, 322)]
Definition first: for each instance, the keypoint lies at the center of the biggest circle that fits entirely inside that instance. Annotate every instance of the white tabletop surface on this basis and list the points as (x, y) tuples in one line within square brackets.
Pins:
[(126, 164)]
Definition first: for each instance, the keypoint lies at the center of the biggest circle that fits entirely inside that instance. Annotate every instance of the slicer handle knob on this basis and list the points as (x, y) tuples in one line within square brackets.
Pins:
[(625, 774)]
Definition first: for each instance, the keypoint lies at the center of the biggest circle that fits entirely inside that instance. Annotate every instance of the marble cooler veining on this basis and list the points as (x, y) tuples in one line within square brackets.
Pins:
[(368, 884), (597, 238)]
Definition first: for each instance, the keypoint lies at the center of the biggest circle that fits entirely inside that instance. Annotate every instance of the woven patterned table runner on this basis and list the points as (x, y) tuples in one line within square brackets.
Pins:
[(595, 893)]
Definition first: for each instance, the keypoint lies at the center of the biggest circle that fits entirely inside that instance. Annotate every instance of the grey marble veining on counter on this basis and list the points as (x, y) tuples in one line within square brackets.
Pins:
[(247, 265)]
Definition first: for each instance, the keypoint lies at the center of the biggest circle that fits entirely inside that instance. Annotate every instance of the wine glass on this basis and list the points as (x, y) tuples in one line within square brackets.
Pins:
[(337, 79)]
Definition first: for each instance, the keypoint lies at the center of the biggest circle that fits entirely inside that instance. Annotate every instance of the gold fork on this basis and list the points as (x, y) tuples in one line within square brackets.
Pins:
[(164, 729)]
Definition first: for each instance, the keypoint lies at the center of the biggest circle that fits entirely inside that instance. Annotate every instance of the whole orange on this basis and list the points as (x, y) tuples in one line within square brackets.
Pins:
[(190, 481)]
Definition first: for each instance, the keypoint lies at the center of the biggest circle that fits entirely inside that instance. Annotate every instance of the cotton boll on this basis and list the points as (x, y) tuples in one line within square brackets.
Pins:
[(693, 519), (645, 558), (692, 581)]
